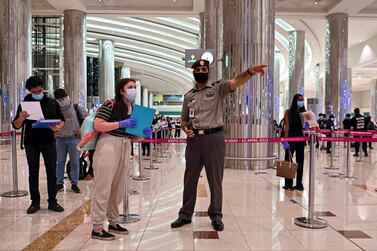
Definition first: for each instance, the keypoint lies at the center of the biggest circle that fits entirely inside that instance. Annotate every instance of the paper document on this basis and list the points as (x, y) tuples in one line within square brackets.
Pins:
[(310, 118), (144, 117), (34, 109)]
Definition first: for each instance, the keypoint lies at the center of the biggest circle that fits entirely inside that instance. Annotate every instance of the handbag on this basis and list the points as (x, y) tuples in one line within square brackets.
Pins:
[(286, 169)]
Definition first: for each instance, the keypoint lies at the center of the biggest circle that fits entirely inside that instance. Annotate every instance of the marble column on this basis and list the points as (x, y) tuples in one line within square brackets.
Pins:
[(145, 97), (319, 90), (373, 99), (15, 56), (277, 86), (201, 39), (296, 63), (75, 70), (336, 65), (249, 28), (150, 100), (213, 34), (138, 90), (125, 72), (106, 82)]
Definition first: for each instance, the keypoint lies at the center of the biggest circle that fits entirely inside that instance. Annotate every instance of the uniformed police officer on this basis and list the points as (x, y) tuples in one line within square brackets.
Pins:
[(202, 121)]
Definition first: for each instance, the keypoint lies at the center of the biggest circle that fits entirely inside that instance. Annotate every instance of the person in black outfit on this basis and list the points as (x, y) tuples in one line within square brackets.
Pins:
[(347, 125), (370, 127), (293, 128), (177, 129), (358, 124), (330, 125), (40, 141), (322, 125)]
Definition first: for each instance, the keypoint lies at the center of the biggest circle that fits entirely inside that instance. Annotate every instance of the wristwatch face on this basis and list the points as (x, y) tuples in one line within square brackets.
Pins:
[(208, 56)]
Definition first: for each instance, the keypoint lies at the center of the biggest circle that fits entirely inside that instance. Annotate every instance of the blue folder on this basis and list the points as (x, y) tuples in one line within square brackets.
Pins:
[(144, 117), (45, 123)]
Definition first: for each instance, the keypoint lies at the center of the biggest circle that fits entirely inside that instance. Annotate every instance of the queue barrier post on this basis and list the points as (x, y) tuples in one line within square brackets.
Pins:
[(157, 148), (348, 163), (310, 221), (151, 166), (126, 217), (141, 176), (15, 193)]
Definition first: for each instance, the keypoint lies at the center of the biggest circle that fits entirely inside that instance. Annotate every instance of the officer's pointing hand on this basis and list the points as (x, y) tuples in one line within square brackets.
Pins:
[(190, 133), (258, 69)]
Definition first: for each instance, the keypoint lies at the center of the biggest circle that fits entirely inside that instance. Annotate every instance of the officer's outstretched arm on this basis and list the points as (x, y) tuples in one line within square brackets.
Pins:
[(242, 78)]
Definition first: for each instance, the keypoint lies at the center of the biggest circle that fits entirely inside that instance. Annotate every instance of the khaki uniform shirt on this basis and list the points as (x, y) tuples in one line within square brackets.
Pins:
[(205, 109)]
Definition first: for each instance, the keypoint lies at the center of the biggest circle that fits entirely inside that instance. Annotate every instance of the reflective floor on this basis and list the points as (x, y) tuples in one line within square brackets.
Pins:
[(258, 214)]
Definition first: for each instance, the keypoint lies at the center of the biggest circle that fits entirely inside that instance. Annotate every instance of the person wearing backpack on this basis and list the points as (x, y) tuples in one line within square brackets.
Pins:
[(112, 159), (67, 139)]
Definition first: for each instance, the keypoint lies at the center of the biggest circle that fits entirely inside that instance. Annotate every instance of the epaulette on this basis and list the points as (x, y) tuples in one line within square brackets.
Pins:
[(189, 91), (217, 82)]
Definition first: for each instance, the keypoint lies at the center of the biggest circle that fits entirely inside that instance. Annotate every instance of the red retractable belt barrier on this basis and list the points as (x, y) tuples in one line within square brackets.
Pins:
[(7, 134), (234, 140), (345, 139)]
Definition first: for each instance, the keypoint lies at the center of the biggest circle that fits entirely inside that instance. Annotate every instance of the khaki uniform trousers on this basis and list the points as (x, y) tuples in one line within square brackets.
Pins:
[(111, 162)]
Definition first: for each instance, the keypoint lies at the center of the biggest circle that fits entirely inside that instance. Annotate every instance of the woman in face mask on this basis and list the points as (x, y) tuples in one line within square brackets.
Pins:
[(111, 160), (293, 128)]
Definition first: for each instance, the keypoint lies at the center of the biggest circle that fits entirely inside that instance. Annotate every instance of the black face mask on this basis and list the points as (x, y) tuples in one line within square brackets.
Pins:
[(201, 77)]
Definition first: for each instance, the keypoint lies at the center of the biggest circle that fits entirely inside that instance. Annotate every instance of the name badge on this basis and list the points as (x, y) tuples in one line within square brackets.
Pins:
[(210, 94), (191, 113)]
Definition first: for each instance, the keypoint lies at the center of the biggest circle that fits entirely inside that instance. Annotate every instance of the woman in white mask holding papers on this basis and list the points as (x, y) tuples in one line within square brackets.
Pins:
[(112, 159)]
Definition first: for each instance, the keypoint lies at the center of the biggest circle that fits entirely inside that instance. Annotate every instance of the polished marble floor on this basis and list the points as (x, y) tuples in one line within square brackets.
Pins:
[(258, 214)]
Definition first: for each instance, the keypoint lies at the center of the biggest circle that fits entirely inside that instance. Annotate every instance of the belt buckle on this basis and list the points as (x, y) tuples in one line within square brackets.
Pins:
[(201, 132)]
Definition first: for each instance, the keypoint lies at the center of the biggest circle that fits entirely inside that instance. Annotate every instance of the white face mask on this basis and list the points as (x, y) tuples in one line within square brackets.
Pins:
[(64, 102), (130, 94)]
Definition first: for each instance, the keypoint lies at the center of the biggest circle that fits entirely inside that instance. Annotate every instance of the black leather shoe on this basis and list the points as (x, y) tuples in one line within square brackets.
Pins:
[(59, 188), (75, 188), (54, 206), (33, 208), (298, 188), (218, 225), (366, 154), (287, 187), (179, 223)]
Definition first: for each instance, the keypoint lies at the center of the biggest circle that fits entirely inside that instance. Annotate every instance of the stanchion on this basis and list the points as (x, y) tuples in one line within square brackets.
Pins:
[(348, 164), (140, 177), (163, 146), (151, 166), (332, 167), (126, 217), (15, 192), (310, 221), (157, 146)]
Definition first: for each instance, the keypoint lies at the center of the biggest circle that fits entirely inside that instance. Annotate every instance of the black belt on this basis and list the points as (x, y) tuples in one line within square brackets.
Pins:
[(207, 131)]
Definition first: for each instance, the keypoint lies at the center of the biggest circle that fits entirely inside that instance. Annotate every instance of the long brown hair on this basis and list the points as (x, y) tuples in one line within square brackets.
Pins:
[(120, 109)]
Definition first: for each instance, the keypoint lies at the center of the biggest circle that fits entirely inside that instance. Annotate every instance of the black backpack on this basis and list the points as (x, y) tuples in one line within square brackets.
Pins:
[(82, 168)]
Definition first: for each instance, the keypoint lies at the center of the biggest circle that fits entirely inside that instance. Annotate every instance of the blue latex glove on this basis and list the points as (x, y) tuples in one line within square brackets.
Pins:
[(147, 132), (127, 123), (306, 125), (286, 146)]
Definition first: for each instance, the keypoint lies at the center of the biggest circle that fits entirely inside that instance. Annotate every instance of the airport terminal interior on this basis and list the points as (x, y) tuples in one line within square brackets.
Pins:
[(324, 50)]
